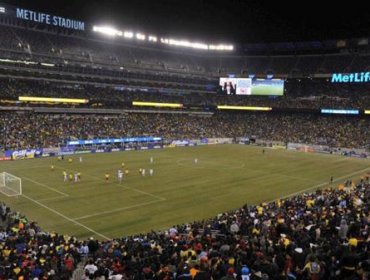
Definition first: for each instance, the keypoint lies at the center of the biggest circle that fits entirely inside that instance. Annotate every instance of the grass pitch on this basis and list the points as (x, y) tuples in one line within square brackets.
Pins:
[(225, 177)]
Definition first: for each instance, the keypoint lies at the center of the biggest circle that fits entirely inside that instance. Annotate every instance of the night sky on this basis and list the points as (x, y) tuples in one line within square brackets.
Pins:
[(226, 21)]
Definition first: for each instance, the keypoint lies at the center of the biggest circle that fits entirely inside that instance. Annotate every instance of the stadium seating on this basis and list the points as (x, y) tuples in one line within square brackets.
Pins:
[(35, 130), (321, 235)]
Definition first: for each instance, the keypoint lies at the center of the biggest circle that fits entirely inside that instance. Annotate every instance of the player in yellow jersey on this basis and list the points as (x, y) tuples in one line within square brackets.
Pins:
[(126, 172), (123, 164), (52, 167), (107, 175), (70, 177), (79, 176), (70, 160), (65, 176)]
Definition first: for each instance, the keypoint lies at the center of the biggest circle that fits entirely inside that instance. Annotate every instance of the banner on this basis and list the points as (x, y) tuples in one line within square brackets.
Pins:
[(66, 151), (113, 140), (180, 143), (23, 154), (5, 158)]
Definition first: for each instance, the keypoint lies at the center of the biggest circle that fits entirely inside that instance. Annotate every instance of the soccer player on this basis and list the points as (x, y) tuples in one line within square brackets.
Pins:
[(80, 159), (76, 177), (65, 176), (79, 176), (123, 165), (120, 176), (143, 172), (263, 151), (151, 160), (52, 167), (151, 172), (70, 177), (70, 160), (195, 160), (107, 177), (126, 172), (331, 180)]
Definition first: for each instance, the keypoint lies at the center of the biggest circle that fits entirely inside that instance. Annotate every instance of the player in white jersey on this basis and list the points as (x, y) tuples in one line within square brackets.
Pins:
[(120, 176), (195, 160), (151, 172), (143, 172), (151, 160), (76, 177), (65, 176), (80, 159)]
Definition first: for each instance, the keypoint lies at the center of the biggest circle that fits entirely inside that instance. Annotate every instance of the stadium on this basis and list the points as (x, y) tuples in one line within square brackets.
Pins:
[(181, 152)]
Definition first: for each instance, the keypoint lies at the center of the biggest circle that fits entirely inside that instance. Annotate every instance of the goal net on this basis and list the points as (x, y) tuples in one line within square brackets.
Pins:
[(10, 185)]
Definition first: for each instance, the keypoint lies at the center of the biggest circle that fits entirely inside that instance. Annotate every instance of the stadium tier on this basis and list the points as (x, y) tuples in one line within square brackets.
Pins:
[(134, 151)]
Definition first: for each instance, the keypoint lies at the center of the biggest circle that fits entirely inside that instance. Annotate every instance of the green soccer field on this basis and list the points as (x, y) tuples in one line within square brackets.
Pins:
[(225, 177)]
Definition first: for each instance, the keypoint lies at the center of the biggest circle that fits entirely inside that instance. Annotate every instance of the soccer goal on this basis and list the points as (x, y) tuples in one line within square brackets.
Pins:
[(10, 185)]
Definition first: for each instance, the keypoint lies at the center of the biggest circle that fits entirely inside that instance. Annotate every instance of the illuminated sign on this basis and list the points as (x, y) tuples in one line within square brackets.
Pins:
[(153, 104), (113, 140), (361, 77), (340, 111), (246, 108), (52, 100), (50, 19), (367, 112)]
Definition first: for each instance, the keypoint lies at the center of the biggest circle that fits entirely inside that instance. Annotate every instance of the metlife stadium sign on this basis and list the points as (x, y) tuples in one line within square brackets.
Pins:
[(360, 77), (50, 19)]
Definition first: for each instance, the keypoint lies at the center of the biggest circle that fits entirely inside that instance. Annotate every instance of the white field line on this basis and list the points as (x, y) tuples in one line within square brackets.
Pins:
[(115, 210), (46, 186), (25, 167), (51, 198), (65, 217), (128, 188), (322, 184)]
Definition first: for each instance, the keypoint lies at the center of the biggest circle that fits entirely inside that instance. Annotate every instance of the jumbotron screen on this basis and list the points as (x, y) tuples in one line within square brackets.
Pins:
[(248, 86)]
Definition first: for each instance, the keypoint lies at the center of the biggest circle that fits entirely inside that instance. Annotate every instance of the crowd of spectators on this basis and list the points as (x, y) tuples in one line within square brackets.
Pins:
[(35, 130), (313, 236)]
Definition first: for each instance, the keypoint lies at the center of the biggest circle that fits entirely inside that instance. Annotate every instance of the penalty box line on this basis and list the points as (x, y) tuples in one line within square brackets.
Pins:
[(321, 185), (158, 198), (116, 210), (46, 186)]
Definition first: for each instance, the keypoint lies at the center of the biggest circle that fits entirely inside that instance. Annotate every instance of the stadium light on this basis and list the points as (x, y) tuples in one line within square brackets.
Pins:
[(107, 30), (196, 45), (340, 111), (245, 108), (128, 34), (221, 47), (140, 36), (367, 112), (152, 38), (112, 32), (153, 104), (47, 64), (52, 100), (184, 43)]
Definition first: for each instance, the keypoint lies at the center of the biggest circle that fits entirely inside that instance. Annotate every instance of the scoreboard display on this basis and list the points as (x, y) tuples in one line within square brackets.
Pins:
[(248, 86)]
